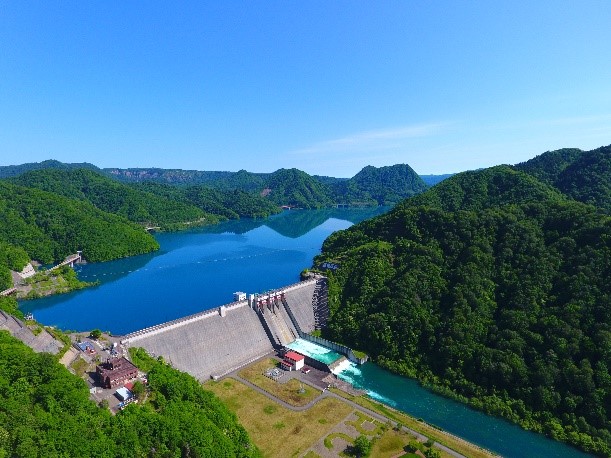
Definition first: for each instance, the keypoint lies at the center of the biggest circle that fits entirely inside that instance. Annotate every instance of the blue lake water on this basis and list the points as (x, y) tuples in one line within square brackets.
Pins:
[(194, 270), (200, 269)]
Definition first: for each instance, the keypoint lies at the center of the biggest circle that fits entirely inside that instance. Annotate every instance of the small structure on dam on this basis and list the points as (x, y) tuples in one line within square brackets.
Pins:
[(218, 341)]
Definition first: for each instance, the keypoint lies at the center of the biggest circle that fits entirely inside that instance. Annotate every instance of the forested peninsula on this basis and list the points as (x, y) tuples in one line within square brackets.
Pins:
[(492, 287)]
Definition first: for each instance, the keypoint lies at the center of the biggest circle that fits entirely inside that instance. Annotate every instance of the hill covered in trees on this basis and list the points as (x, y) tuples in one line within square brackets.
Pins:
[(380, 186), (493, 288), (232, 204), (297, 188), (582, 175), (7, 171), (371, 186), (477, 190), (48, 227), (11, 258), (114, 197), (46, 411)]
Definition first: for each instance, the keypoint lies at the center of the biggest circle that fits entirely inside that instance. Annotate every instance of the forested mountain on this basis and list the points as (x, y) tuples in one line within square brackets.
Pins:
[(482, 189), (374, 186), (492, 288), (113, 197), (46, 411), (371, 186), (582, 175), (49, 227), (243, 180), (8, 171), (230, 204), (294, 187), (380, 186)]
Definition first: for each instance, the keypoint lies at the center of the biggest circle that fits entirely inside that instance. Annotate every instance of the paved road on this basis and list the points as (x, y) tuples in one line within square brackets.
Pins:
[(328, 394)]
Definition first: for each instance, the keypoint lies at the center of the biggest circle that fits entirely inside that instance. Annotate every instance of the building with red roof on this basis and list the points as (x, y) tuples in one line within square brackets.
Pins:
[(293, 361)]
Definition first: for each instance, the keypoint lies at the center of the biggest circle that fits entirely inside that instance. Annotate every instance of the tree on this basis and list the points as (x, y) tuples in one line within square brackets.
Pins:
[(138, 389), (362, 446), (432, 453), (95, 334)]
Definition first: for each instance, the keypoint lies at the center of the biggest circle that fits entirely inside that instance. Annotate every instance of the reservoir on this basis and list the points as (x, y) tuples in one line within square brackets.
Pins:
[(195, 270), (201, 268)]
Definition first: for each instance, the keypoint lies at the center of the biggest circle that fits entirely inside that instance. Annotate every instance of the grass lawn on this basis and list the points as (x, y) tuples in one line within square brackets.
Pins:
[(277, 431), (456, 444), (289, 392), (390, 444)]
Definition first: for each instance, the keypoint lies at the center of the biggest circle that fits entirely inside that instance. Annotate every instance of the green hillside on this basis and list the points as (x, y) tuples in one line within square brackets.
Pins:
[(114, 197), (373, 186), (381, 186), (11, 258), (492, 288), (45, 411), (7, 171), (582, 175), (49, 227), (230, 204), (482, 189), (296, 188)]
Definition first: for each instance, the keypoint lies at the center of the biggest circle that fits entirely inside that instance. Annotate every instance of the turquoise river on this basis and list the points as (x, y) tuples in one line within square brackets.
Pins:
[(200, 269)]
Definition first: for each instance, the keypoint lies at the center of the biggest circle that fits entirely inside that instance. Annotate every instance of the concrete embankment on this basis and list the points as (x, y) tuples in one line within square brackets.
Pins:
[(40, 342), (207, 344)]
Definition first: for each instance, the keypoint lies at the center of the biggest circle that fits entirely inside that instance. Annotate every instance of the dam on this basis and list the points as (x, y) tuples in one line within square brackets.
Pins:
[(212, 343)]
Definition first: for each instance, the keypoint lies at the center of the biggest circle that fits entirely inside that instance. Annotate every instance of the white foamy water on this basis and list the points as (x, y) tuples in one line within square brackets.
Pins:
[(342, 366), (314, 351)]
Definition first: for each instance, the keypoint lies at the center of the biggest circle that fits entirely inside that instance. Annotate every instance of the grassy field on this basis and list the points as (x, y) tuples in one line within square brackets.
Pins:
[(289, 392), (456, 444), (390, 444), (277, 431)]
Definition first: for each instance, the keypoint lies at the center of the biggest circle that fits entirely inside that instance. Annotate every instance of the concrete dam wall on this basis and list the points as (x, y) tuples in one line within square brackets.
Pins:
[(218, 341)]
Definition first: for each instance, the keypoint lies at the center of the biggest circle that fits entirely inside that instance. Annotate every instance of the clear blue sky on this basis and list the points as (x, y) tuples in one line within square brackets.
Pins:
[(327, 87)]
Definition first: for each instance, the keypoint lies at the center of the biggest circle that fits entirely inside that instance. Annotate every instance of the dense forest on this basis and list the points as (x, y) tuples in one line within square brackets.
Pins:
[(491, 287), (49, 227), (46, 411), (114, 197), (380, 186), (7, 171), (213, 192), (11, 258), (371, 186), (582, 175), (296, 188), (231, 204)]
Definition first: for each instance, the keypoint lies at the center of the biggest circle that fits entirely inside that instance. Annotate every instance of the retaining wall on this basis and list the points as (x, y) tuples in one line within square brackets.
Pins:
[(339, 348)]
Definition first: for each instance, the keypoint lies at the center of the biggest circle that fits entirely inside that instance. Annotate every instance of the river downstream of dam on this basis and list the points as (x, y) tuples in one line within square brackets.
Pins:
[(200, 269)]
